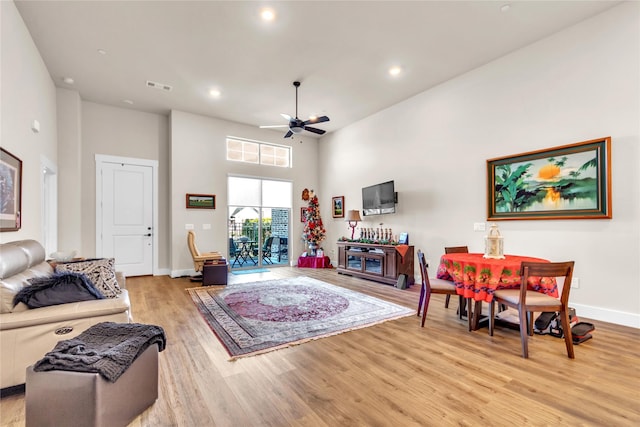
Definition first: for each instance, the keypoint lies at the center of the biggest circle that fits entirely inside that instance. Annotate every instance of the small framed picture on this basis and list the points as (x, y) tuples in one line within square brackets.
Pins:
[(337, 206), (10, 191), (201, 201), (403, 239), (302, 214)]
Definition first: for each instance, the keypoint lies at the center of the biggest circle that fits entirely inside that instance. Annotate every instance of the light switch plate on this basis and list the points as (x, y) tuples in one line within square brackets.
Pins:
[(188, 226), (479, 226), (206, 226)]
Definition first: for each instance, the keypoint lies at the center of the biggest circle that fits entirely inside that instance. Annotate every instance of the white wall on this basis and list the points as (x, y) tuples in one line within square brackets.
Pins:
[(199, 165), (580, 84), (69, 109), (126, 133), (27, 94)]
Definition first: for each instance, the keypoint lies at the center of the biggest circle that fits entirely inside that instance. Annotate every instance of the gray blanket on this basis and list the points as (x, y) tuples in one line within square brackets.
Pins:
[(107, 348)]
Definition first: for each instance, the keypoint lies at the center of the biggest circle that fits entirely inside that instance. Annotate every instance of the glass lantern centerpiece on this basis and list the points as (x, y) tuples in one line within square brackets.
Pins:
[(493, 243)]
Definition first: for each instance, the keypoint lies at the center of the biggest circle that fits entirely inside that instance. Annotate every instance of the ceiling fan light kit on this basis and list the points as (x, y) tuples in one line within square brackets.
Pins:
[(296, 126)]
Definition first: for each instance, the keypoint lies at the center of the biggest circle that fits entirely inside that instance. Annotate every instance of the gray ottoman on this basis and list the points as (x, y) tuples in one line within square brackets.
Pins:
[(64, 398)]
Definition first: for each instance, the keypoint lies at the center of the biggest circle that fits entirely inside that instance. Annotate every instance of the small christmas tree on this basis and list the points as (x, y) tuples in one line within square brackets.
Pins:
[(313, 232)]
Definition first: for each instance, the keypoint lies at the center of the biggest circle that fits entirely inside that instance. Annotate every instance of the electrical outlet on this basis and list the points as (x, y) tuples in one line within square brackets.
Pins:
[(188, 226), (479, 226), (575, 283)]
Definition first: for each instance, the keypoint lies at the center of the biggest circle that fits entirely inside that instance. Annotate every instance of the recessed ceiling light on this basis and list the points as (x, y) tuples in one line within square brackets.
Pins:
[(127, 101), (68, 80), (215, 93), (394, 71), (505, 7), (267, 14), (102, 51)]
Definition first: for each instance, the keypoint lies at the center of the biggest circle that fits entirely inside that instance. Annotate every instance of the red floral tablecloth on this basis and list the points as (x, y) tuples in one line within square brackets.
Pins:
[(314, 262), (478, 278)]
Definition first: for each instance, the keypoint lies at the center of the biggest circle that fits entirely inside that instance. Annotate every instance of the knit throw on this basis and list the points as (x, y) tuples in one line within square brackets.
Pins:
[(107, 348)]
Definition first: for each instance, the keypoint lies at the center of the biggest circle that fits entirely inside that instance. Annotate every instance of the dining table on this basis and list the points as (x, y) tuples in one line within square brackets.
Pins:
[(478, 277)]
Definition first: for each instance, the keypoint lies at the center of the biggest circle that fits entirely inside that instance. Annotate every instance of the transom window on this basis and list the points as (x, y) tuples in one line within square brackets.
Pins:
[(242, 150)]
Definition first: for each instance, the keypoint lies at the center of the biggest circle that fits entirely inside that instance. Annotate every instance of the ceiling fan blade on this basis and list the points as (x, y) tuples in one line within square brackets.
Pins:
[(286, 116), (317, 120), (314, 130), (273, 126), (288, 134)]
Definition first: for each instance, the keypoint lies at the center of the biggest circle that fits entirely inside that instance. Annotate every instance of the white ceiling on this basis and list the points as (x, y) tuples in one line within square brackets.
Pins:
[(340, 51)]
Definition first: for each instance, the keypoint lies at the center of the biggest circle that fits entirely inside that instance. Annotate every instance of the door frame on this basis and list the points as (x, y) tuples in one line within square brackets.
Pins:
[(260, 209), (102, 159), (49, 204)]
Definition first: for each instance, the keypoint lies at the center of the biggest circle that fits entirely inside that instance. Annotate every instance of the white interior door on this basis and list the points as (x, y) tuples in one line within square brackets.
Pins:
[(126, 210)]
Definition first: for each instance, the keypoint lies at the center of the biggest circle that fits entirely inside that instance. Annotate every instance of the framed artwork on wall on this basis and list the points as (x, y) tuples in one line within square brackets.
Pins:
[(201, 201), (302, 210), (567, 182), (337, 207), (10, 191)]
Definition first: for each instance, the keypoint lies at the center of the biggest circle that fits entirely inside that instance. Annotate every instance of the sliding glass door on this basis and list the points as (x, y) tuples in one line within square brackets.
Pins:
[(259, 222)]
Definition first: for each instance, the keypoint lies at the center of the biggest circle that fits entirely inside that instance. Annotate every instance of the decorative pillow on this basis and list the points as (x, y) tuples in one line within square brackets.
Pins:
[(59, 288), (101, 272)]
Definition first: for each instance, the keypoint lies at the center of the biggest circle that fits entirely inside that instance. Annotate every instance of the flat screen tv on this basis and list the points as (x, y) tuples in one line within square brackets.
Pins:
[(379, 199)]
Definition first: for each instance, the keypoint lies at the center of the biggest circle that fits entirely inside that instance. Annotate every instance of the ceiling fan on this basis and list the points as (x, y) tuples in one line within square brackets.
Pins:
[(296, 125)]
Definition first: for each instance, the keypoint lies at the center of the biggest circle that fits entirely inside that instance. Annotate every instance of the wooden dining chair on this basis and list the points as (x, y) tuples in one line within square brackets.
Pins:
[(430, 286), (528, 301), (454, 250)]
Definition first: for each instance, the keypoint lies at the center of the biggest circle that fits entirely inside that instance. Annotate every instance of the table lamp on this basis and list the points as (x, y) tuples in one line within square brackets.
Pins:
[(353, 217)]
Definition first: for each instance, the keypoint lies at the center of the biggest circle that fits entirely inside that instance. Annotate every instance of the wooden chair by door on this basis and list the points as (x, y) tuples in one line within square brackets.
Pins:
[(454, 250), (528, 301), (430, 286)]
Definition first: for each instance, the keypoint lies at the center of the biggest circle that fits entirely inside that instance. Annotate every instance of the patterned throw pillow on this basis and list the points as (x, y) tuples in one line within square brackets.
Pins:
[(101, 272)]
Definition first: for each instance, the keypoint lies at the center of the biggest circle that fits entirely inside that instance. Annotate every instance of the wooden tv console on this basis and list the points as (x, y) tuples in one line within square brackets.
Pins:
[(381, 263)]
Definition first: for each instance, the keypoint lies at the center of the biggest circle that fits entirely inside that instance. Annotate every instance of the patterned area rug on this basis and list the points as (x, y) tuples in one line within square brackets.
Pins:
[(253, 318)]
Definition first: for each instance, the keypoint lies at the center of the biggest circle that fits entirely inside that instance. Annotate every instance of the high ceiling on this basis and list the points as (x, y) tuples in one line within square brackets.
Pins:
[(340, 51)]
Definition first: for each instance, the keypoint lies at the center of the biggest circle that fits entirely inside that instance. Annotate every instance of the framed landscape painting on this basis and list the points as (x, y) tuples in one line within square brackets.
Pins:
[(568, 182), (337, 206), (10, 191), (201, 201)]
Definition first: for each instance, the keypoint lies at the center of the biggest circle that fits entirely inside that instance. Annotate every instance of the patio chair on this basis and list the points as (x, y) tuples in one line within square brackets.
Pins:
[(266, 250), (235, 253)]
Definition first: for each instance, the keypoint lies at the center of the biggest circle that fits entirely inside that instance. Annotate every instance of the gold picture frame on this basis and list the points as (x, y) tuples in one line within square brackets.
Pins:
[(566, 182), (337, 206)]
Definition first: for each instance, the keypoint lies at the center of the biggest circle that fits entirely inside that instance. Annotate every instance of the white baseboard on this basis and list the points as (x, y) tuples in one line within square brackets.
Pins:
[(162, 272), (607, 315)]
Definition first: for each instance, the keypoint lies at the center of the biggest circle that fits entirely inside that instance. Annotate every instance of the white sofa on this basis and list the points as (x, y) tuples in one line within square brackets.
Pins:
[(27, 334)]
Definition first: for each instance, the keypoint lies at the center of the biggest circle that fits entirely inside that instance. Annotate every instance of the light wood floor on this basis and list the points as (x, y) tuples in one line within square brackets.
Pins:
[(392, 374)]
